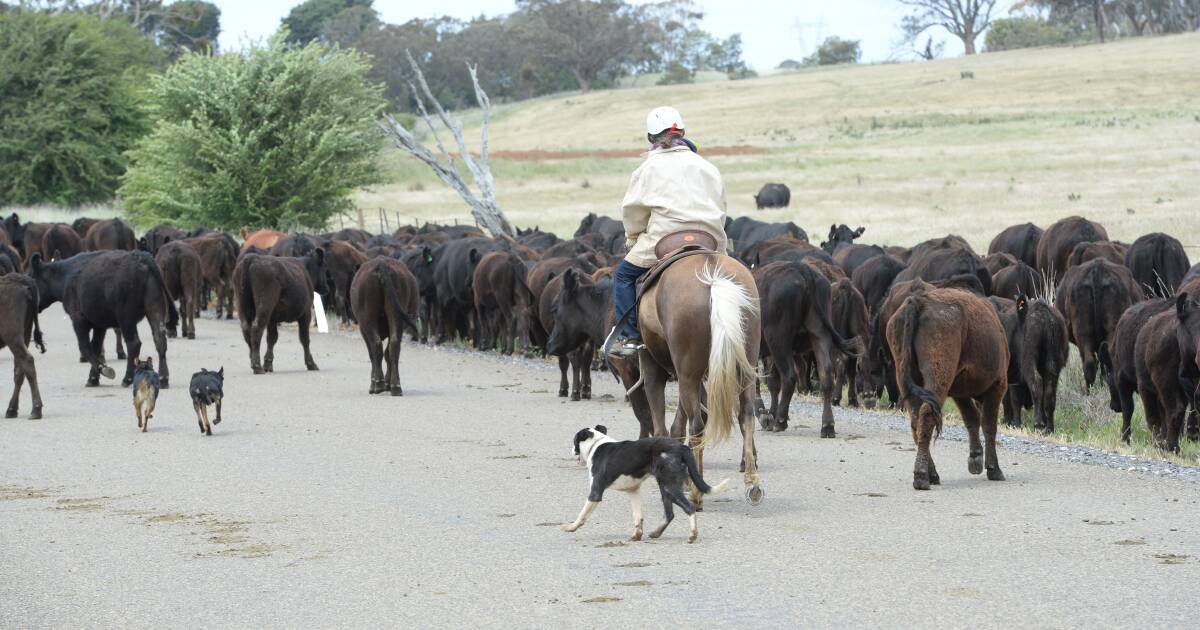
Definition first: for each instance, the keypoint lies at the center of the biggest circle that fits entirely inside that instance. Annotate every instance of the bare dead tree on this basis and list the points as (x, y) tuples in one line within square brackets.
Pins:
[(965, 19), (484, 207)]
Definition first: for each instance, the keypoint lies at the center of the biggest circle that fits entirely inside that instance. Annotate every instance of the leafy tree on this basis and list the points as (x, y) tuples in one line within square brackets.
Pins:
[(189, 25), (69, 90), (276, 136), (306, 20), (835, 50), (677, 74), (594, 40), (965, 19), (1025, 32)]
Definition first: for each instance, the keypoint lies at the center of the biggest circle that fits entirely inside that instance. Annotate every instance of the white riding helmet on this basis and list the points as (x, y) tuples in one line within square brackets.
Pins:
[(662, 118)]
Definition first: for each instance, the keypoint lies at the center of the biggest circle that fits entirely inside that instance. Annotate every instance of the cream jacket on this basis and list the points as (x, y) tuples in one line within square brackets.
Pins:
[(674, 189)]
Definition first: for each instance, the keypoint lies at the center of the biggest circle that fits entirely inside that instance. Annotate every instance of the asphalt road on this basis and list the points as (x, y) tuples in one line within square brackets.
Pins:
[(316, 505)]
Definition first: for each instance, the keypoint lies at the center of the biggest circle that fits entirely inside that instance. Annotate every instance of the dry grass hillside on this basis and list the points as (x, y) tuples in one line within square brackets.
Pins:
[(965, 145)]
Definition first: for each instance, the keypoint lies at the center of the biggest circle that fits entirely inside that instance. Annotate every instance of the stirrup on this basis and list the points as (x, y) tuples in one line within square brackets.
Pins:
[(625, 348)]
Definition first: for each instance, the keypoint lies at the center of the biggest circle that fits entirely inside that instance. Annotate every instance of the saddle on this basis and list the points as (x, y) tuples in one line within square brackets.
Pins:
[(672, 248)]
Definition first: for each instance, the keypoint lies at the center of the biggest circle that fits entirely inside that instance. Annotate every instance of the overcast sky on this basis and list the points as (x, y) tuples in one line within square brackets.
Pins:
[(772, 30)]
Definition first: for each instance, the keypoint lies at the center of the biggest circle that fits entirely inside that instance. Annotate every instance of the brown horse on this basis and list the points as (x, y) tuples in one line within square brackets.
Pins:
[(948, 342), (700, 322), (264, 239)]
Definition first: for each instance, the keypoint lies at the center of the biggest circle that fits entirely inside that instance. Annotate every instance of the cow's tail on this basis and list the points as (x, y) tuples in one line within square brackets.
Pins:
[(730, 368), (689, 460), (821, 298), (245, 293), (34, 302), (906, 363), (1097, 325), (172, 313), (393, 297)]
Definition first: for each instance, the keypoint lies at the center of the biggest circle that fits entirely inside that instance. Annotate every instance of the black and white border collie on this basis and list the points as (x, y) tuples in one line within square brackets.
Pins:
[(625, 465)]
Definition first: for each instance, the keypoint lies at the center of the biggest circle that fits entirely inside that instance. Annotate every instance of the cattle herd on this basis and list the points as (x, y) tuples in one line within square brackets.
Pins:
[(919, 324)]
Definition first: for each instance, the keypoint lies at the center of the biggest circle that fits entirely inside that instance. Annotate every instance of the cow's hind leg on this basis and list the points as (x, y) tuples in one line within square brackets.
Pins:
[(272, 338), (970, 417), (303, 323), (825, 370), (393, 363), (130, 333), (91, 347), (158, 333), (371, 339), (990, 404)]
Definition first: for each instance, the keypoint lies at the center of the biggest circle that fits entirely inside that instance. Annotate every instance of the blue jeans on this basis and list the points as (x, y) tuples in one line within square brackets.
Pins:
[(625, 295)]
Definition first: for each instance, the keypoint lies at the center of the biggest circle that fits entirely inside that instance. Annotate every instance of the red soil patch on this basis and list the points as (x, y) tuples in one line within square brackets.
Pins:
[(539, 156)]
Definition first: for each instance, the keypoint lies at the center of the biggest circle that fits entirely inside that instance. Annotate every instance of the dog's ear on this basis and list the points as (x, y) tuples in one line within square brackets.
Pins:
[(601, 428), (221, 372)]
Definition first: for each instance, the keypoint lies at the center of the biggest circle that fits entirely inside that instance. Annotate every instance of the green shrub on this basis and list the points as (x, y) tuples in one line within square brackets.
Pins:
[(278, 136), (1025, 32), (835, 50), (69, 90), (675, 74)]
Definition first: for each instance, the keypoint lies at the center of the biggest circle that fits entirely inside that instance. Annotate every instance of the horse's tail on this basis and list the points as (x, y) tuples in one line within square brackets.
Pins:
[(393, 297), (906, 362), (730, 368)]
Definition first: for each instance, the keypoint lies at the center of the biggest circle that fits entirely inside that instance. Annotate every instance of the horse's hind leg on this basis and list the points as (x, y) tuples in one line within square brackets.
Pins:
[(970, 417), (749, 465), (654, 384), (991, 406), (689, 424)]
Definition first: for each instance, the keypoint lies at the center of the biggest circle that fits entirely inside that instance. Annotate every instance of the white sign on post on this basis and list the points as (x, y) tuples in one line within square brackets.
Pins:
[(319, 307)]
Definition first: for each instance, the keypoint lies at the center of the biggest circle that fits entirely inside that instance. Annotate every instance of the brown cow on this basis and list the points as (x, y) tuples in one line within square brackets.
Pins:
[(945, 261), (385, 299), (949, 342), (995, 262), (1119, 353), (218, 256), (61, 241), (18, 329), (1157, 362), (1188, 337), (578, 359), (274, 289), (502, 301), (1107, 250), (795, 302), (1041, 344), (110, 234), (82, 225), (180, 265), (263, 239), (1018, 279), (1020, 241), (31, 240), (342, 260), (1092, 298), (160, 235), (1057, 242), (848, 311)]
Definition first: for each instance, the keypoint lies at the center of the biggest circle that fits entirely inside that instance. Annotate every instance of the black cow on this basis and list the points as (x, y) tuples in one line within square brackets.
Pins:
[(1158, 263), (160, 235), (109, 289), (744, 232), (773, 196), (453, 269), (1021, 241), (841, 235), (598, 224)]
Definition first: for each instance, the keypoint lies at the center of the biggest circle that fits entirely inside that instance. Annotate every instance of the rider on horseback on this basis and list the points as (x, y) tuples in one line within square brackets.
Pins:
[(674, 189)]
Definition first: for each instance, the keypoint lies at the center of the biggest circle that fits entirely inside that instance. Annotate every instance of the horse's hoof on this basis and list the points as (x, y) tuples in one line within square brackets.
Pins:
[(975, 464), (764, 421), (396, 391), (692, 538), (994, 474), (108, 372), (36, 414), (11, 413), (755, 494), (828, 432)]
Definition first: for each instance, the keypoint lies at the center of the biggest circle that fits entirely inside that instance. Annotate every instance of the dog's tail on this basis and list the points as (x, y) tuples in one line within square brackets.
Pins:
[(689, 460)]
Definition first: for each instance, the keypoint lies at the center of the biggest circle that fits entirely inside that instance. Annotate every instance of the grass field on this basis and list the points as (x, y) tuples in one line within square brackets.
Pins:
[(910, 151)]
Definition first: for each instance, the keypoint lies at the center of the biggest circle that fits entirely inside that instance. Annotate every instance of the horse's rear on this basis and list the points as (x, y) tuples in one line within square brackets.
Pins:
[(700, 323)]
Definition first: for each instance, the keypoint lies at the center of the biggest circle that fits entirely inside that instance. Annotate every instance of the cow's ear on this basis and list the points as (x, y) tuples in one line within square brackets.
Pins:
[(833, 228), (570, 281), (35, 262), (320, 253), (166, 239), (473, 256), (1181, 305), (601, 428), (1022, 307), (859, 231)]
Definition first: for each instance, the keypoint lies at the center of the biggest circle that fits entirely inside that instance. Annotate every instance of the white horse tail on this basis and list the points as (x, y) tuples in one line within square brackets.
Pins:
[(730, 370)]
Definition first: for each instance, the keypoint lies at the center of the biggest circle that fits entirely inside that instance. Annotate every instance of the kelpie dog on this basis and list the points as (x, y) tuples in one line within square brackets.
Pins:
[(145, 391), (625, 465), (206, 389)]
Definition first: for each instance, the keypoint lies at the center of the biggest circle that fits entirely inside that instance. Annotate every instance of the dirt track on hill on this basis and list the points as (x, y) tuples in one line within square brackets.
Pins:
[(318, 505)]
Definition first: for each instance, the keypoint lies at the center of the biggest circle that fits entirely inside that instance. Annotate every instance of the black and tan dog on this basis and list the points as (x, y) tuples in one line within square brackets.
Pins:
[(207, 388), (145, 391), (625, 465)]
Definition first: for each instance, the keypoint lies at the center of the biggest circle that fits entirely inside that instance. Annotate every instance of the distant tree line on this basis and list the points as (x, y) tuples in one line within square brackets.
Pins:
[(172, 26), (545, 46)]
